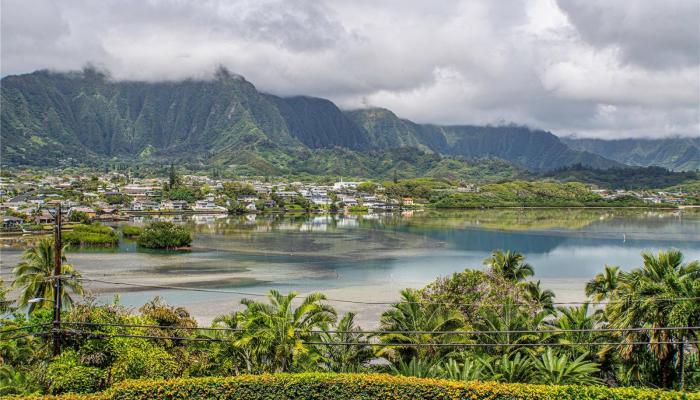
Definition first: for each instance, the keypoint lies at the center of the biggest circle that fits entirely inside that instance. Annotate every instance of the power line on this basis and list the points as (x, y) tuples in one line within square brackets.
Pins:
[(7, 339), (383, 332), (22, 328), (225, 291), (389, 344), (494, 344)]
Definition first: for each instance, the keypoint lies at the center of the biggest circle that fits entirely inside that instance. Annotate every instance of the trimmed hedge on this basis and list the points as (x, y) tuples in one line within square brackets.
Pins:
[(312, 386)]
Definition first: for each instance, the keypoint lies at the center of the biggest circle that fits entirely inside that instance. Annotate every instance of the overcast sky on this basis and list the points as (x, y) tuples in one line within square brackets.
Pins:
[(601, 68)]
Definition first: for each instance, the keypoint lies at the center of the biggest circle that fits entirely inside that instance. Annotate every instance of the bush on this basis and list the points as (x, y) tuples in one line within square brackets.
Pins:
[(164, 235), (91, 235), (131, 231), (141, 359), (66, 375), (361, 386)]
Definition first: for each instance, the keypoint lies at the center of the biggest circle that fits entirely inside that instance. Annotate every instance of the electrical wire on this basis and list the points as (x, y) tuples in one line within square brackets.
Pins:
[(390, 344), (386, 332), (22, 328), (224, 291), (7, 339)]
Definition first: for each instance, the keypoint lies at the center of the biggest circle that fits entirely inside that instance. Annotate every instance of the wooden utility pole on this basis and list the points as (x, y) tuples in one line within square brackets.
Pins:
[(57, 271)]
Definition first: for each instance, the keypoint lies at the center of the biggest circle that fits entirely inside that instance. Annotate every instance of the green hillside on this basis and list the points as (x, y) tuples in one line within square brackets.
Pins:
[(51, 118)]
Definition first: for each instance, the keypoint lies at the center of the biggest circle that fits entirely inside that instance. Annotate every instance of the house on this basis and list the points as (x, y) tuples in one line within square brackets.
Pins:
[(345, 185), (89, 212), (247, 198), (348, 200), (144, 205), (208, 204), (408, 201), (11, 222), (44, 218), (321, 199)]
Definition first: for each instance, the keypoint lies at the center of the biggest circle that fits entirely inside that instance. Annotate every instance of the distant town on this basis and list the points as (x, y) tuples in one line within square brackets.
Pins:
[(27, 199)]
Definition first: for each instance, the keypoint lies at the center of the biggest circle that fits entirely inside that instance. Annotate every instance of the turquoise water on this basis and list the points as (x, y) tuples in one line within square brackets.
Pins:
[(372, 257)]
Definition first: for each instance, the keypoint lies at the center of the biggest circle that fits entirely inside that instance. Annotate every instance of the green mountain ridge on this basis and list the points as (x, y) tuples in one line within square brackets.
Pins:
[(47, 117), (677, 154)]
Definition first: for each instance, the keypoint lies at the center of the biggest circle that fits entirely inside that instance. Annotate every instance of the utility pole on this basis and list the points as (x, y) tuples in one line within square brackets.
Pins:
[(681, 360), (57, 271)]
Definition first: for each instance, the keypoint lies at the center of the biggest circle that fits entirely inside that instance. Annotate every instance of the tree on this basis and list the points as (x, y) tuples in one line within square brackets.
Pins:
[(603, 284), (276, 332), (641, 299), (544, 298), (348, 358), (510, 265), (174, 179), (411, 314), (32, 276), (164, 235)]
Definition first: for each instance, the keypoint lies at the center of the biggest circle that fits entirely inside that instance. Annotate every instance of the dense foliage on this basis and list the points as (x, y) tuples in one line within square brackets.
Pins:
[(95, 235), (164, 235), (625, 178), (356, 386), (131, 230), (532, 194), (496, 326)]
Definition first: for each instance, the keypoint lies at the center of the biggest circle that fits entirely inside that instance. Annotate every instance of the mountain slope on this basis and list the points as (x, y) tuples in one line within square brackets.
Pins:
[(677, 154), (48, 116), (535, 150)]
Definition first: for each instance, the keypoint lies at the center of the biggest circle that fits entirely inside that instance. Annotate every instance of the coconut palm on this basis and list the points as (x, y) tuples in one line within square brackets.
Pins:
[(603, 284), (543, 298), (510, 265), (275, 333), (32, 277), (663, 292), (430, 319), (572, 319), (345, 358), (505, 323)]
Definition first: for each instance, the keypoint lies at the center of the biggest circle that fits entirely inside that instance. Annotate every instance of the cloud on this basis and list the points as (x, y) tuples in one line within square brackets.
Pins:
[(594, 68)]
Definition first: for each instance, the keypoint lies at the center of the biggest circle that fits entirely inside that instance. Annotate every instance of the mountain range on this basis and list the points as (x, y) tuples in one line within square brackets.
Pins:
[(47, 117), (677, 154)]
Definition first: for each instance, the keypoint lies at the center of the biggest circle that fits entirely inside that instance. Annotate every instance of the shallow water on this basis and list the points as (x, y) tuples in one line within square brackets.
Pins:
[(371, 257)]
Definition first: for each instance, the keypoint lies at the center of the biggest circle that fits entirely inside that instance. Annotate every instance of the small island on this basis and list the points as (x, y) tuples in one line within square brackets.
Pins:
[(164, 235)]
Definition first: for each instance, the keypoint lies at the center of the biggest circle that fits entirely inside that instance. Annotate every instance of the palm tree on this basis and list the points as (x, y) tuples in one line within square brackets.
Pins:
[(572, 319), (663, 292), (346, 358), (543, 298), (431, 319), (32, 277), (276, 333), (511, 266), (504, 323), (603, 284)]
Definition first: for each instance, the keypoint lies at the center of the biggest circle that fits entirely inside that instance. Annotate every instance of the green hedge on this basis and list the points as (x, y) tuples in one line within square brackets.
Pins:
[(360, 386), (91, 235)]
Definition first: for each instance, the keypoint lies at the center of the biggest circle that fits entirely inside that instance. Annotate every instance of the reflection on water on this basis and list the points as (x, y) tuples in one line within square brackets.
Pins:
[(371, 256)]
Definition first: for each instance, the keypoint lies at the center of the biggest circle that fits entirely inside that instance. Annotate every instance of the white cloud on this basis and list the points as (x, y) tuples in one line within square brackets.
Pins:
[(595, 68)]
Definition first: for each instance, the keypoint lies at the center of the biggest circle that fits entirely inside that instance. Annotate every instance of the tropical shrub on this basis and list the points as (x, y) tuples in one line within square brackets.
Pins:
[(91, 235), (360, 386), (164, 235), (65, 374), (131, 230)]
